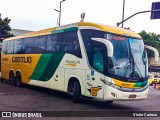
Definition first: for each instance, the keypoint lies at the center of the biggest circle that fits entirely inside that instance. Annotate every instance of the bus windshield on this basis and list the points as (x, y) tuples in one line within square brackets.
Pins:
[(129, 57)]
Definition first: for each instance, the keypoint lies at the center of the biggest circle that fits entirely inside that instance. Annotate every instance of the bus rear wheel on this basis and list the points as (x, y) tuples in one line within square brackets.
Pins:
[(12, 78), (18, 79), (2, 80), (76, 92)]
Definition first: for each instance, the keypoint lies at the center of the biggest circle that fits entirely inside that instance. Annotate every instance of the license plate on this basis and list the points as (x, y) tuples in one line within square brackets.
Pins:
[(132, 96)]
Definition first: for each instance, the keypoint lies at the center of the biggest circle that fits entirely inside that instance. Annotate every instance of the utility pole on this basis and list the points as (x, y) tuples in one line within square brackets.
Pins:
[(59, 12), (123, 12)]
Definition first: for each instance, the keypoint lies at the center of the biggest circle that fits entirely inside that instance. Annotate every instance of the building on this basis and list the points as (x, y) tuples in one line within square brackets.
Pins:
[(17, 32)]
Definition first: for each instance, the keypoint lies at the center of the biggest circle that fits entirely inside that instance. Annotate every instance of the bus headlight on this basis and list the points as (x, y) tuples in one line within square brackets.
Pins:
[(110, 84)]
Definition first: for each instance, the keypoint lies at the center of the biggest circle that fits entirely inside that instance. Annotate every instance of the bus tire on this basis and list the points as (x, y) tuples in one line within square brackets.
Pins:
[(12, 78), (18, 79), (76, 92), (109, 101), (2, 80)]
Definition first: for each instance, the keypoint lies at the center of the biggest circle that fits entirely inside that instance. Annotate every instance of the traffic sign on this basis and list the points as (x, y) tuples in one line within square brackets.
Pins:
[(155, 13)]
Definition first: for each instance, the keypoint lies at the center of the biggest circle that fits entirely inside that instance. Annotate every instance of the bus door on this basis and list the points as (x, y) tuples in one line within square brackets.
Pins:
[(57, 81), (95, 75)]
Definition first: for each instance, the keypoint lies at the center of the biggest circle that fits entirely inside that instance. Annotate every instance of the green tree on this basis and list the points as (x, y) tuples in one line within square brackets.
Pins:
[(5, 28), (151, 39)]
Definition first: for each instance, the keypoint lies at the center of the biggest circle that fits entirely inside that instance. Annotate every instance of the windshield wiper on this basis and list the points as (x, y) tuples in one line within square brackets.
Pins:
[(144, 59), (133, 65)]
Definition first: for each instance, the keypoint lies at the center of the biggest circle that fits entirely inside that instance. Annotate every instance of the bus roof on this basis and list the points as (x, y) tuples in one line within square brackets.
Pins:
[(111, 29), (81, 25)]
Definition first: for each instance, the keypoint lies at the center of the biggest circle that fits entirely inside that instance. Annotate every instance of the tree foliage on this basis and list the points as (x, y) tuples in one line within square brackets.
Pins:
[(151, 39), (5, 28)]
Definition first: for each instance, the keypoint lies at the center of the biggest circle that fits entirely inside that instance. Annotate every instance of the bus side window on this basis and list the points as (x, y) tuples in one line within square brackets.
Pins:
[(40, 44), (71, 44), (18, 46), (4, 47), (10, 46), (98, 58), (53, 43), (28, 45)]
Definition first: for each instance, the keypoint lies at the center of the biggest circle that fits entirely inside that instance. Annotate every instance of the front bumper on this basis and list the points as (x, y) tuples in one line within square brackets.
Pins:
[(111, 93)]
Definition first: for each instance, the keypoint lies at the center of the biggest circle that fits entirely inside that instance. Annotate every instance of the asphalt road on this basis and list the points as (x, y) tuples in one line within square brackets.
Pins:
[(30, 98)]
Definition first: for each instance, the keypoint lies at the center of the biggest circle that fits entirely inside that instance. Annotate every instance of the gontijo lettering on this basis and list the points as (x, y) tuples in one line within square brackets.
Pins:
[(22, 59)]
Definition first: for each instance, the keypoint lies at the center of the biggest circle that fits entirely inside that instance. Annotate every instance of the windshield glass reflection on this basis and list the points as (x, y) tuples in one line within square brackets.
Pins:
[(139, 55), (128, 57)]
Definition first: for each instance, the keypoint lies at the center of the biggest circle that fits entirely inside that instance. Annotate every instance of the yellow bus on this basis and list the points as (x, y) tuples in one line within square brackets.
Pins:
[(0, 55), (85, 59)]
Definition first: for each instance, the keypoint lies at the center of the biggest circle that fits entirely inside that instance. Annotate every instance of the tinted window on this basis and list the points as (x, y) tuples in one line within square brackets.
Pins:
[(10, 46), (4, 47), (98, 62), (28, 45), (71, 43), (54, 43), (94, 49), (64, 42), (87, 35), (18, 46), (40, 44)]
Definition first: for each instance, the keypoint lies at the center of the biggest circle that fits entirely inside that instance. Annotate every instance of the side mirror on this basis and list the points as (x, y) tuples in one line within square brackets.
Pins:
[(107, 43), (156, 54)]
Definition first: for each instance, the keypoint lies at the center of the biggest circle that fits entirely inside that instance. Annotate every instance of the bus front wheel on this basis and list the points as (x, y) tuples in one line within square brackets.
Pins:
[(18, 79), (76, 92)]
